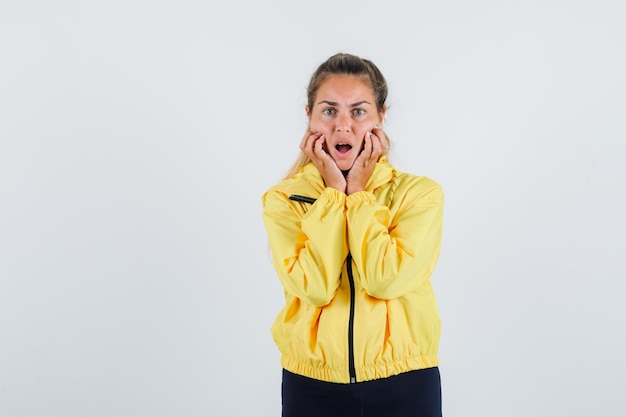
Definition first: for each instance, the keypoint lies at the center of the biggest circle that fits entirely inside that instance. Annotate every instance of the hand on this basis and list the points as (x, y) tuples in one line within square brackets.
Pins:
[(313, 146), (374, 145)]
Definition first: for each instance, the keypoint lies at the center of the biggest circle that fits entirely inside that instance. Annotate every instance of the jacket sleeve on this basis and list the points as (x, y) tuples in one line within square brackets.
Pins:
[(395, 257), (308, 248)]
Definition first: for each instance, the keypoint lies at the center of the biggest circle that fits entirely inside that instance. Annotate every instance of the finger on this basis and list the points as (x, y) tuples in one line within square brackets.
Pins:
[(383, 137), (377, 146), (308, 142), (379, 143), (370, 143), (307, 136), (366, 153), (319, 146)]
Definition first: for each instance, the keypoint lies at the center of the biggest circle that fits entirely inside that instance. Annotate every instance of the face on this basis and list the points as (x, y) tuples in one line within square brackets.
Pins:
[(344, 111)]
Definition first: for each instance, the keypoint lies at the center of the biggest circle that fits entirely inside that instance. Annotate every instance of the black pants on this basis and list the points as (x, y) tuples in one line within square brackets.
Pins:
[(410, 394)]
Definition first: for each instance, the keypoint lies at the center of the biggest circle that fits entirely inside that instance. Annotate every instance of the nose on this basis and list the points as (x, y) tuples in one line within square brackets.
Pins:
[(344, 123)]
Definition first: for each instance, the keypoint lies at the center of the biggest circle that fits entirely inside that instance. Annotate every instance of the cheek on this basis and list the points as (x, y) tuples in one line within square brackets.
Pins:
[(320, 125), (362, 131), (368, 124)]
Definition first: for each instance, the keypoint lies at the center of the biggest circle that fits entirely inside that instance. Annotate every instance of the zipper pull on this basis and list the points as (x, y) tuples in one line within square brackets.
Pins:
[(353, 380), (302, 199)]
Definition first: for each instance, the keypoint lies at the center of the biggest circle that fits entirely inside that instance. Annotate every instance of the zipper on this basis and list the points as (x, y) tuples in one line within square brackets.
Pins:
[(351, 368)]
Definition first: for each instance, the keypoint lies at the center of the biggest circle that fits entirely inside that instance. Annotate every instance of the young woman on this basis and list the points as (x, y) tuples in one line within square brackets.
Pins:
[(354, 242)]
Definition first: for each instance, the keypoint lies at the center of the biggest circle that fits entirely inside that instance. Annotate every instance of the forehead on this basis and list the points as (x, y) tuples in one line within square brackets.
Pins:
[(345, 89)]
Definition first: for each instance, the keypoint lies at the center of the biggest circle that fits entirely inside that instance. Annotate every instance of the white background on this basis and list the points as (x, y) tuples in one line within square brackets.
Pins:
[(136, 139)]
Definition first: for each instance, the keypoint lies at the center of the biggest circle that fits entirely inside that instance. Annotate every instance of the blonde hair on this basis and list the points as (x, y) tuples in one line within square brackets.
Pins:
[(344, 64)]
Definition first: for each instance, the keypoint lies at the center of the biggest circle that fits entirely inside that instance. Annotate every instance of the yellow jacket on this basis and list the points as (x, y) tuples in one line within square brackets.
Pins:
[(356, 274)]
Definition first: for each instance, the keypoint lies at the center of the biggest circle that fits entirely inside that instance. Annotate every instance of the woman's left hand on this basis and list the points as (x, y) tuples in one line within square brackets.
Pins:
[(374, 145)]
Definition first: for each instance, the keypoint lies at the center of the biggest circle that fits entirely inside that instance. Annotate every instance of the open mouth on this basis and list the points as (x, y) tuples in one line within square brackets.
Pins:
[(343, 147)]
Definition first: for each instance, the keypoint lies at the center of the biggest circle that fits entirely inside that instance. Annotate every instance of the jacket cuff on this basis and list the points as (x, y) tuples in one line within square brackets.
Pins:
[(333, 196), (360, 197)]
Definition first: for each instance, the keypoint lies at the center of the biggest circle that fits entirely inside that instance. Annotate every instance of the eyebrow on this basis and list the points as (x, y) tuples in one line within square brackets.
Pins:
[(332, 103)]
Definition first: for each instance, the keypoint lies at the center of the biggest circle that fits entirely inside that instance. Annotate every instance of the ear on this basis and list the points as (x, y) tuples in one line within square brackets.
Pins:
[(306, 110), (382, 114)]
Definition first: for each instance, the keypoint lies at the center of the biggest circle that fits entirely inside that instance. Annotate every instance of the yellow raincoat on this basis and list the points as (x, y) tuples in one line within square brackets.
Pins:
[(356, 273)]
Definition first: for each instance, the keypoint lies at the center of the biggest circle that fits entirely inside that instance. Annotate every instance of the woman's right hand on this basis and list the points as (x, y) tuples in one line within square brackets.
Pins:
[(313, 146)]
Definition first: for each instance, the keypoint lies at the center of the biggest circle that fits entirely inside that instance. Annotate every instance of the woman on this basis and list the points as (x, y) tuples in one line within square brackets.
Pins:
[(354, 242)]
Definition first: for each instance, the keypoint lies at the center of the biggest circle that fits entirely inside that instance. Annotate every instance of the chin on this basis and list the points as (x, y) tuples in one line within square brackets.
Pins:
[(345, 166)]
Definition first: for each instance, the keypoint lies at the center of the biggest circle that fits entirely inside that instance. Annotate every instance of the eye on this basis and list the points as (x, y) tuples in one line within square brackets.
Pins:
[(328, 112), (358, 112)]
